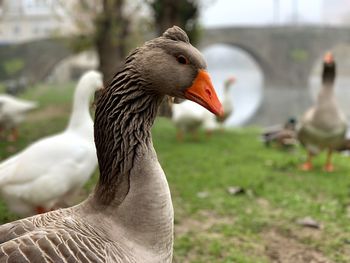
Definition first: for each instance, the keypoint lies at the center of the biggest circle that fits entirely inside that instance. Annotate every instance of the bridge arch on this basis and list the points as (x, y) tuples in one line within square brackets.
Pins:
[(263, 64), (225, 61)]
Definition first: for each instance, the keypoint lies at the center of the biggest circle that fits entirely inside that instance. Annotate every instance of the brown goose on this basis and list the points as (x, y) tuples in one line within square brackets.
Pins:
[(129, 218), (324, 125)]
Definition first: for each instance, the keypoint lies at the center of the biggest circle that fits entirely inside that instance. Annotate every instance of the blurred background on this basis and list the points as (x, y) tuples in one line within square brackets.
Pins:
[(234, 199), (270, 46)]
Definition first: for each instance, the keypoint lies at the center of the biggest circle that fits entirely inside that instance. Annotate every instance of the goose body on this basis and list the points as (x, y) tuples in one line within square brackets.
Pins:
[(53, 169), (13, 111), (324, 125), (129, 217)]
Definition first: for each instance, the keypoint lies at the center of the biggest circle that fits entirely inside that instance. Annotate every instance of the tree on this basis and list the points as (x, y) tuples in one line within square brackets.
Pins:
[(105, 26), (183, 13)]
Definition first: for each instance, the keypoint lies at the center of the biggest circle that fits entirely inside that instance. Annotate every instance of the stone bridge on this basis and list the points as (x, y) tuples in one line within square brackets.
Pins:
[(285, 54), (31, 62)]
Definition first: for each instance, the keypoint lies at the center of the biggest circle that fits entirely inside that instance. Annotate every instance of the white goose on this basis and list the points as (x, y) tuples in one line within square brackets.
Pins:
[(52, 169), (188, 116), (227, 102), (12, 112), (129, 218)]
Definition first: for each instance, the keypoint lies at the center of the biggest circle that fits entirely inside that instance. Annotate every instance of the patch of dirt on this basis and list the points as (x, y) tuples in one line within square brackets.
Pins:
[(207, 220), (286, 249)]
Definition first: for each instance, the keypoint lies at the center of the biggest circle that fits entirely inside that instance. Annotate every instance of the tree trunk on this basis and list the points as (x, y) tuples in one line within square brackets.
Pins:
[(112, 32)]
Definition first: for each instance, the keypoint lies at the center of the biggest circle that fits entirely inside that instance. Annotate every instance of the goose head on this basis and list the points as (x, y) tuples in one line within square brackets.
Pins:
[(171, 66), (91, 81), (229, 82), (329, 68)]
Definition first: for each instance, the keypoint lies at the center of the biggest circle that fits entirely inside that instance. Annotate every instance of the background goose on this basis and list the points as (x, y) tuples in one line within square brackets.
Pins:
[(189, 117), (324, 125), (54, 168), (227, 102), (13, 112), (129, 218)]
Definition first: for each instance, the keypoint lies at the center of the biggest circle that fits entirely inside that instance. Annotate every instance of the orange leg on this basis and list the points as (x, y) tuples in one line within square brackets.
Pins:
[(195, 135), (179, 136), (307, 166), (329, 166), (14, 135), (209, 133)]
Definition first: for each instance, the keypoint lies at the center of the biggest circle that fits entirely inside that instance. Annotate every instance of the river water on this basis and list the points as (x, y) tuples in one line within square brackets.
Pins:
[(246, 94)]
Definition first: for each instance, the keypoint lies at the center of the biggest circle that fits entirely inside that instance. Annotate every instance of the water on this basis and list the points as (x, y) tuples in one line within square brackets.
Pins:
[(246, 94)]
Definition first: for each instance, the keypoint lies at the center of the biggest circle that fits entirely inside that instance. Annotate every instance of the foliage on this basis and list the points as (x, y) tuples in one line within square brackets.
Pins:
[(299, 55), (104, 26), (13, 66), (183, 13)]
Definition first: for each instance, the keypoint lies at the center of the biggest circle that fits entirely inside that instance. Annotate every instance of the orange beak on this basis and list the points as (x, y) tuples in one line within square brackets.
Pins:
[(203, 93)]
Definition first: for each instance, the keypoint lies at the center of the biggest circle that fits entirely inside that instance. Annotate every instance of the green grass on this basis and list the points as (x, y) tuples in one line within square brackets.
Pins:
[(219, 227)]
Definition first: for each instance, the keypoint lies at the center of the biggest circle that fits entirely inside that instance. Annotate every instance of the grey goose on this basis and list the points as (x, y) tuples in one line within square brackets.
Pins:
[(129, 217), (323, 126)]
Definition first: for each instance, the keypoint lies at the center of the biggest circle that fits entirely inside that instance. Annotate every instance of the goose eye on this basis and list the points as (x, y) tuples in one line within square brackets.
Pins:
[(182, 60)]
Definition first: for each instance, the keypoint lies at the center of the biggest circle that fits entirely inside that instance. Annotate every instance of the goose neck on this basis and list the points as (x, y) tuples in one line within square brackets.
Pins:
[(80, 112)]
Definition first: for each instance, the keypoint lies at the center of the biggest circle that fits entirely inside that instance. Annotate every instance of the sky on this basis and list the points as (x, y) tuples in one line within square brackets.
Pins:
[(262, 12)]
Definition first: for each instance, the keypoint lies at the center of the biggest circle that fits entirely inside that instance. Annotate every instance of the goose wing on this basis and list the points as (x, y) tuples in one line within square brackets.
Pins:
[(57, 236)]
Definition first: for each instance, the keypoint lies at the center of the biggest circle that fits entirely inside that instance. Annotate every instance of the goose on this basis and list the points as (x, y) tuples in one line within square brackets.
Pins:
[(227, 102), (324, 125), (53, 169), (12, 112), (129, 216), (188, 116)]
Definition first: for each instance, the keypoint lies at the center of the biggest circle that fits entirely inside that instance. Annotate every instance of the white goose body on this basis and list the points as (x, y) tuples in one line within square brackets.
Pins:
[(129, 217), (13, 110), (51, 170), (189, 117)]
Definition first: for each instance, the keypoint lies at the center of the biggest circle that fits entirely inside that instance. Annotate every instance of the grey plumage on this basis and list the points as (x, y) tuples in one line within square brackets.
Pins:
[(324, 125), (129, 217)]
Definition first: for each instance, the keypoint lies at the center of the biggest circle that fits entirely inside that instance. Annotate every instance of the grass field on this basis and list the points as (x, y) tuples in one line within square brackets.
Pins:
[(212, 225)]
